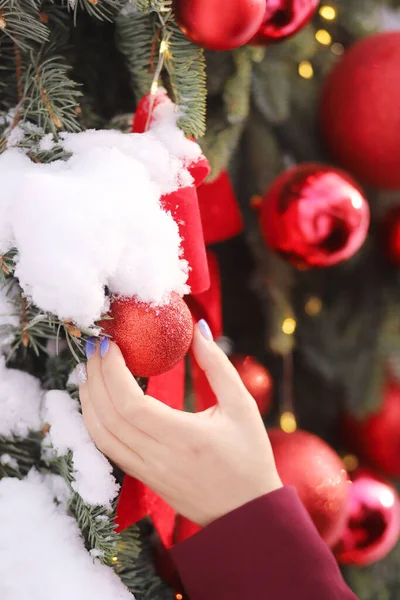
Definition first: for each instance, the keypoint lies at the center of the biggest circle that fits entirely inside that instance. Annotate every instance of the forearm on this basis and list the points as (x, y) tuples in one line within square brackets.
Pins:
[(268, 548)]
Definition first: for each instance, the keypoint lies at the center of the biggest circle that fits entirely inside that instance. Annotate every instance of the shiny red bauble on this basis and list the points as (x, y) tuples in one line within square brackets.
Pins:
[(221, 25), (373, 522), (316, 471), (360, 111), (314, 215), (152, 339), (391, 236), (256, 379), (284, 18), (376, 437)]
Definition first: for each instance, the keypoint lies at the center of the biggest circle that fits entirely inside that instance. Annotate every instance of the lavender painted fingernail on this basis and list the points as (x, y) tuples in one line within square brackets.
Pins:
[(81, 373), (90, 347), (205, 330), (104, 346)]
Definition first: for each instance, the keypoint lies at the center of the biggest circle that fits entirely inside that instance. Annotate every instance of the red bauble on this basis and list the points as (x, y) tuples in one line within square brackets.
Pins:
[(153, 339), (360, 111), (314, 215), (224, 25), (284, 18), (373, 523), (256, 379), (391, 236), (376, 438), (316, 471)]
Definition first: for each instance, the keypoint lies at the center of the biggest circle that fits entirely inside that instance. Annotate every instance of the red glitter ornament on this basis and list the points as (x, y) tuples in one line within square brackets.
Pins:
[(256, 379), (314, 215), (316, 471), (373, 523), (284, 18), (376, 438), (152, 339), (225, 26), (360, 111), (391, 236)]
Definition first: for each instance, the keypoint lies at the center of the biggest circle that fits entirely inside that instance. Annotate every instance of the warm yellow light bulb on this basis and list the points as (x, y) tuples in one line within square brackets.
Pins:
[(114, 559), (350, 462), (288, 422), (289, 326), (328, 13), (323, 37), (163, 47), (179, 597), (306, 69), (313, 306)]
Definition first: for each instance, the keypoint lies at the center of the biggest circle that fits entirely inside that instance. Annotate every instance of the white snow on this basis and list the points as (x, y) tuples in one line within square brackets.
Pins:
[(42, 555), (96, 219), (8, 461), (20, 400), (8, 318), (93, 479)]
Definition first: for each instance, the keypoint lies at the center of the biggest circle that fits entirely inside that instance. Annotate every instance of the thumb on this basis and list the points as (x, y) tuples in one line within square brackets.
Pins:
[(221, 374)]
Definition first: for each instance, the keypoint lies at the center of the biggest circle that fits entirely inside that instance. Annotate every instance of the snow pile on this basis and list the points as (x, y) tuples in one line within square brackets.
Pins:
[(20, 400), (42, 556), (8, 318), (96, 219), (93, 479)]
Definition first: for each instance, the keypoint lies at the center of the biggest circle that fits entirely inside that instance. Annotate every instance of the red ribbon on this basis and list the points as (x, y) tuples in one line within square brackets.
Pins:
[(218, 212)]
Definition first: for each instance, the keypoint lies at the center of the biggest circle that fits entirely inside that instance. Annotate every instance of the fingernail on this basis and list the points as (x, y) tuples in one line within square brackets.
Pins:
[(90, 347), (104, 346), (205, 330), (81, 373)]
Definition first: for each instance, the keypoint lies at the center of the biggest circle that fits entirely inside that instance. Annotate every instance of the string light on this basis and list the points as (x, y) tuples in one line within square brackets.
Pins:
[(350, 462), (114, 559), (288, 422), (306, 69), (337, 49), (328, 12), (289, 326), (313, 306), (179, 597), (323, 37)]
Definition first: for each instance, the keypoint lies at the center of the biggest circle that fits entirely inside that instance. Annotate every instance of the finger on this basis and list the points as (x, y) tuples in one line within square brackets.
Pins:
[(221, 374), (109, 417), (146, 413), (127, 459)]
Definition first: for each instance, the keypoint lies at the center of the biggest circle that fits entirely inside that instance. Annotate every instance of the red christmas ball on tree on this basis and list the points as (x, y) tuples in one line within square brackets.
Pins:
[(376, 438), (284, 18), (373, 522), (316, 471), (391, 236), (360, 112), (224, 25), (314, 215), (256, 379), (152, 339)]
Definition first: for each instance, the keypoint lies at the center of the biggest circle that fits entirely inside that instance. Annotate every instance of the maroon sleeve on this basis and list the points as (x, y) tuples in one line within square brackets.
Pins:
[(267, 549)]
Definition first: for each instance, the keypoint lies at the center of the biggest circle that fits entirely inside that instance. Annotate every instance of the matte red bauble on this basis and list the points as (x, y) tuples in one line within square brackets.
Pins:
[(221, 25), (256, 379), (284, 18), (153, 339), (373, 522), (376, 438), (316, 471), (391, 236), (360, 111), (314, 215)]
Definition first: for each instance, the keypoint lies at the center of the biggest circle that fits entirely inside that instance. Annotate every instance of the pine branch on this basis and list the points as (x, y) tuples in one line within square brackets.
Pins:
[(100, 9), (25, 451), (20, 23)]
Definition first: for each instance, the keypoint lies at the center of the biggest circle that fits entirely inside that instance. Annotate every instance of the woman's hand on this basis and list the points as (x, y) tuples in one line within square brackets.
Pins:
[(204, 465)]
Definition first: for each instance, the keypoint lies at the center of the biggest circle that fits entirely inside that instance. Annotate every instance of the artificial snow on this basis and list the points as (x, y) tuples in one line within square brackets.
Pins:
[(8, 461), (20, 400), (93, 479), (42, 555), (96, 220)]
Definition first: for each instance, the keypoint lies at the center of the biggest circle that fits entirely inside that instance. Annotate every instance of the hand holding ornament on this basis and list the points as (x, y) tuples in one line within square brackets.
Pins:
[(204, 465)]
